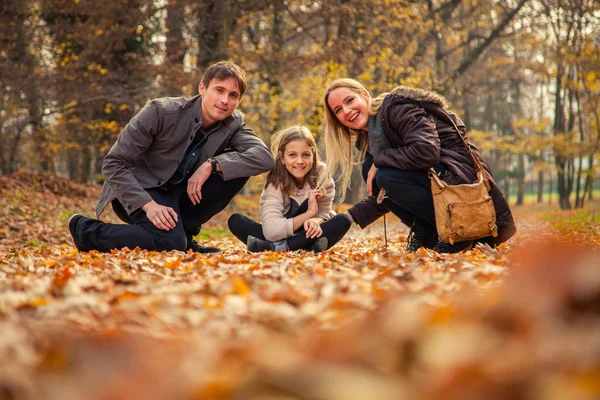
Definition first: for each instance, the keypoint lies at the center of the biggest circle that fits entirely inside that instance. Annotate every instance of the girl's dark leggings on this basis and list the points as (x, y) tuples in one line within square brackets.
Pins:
[(333, 229)]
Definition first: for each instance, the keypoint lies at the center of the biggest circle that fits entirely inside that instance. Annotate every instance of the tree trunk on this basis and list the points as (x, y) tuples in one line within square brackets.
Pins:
[(175, 45), (560, 159), (520, 157), (93, 158), (520, 179), (550, 185), (28, 88), (275, 64), (215, 24), (579, 197), (507, 187), (540, 187)]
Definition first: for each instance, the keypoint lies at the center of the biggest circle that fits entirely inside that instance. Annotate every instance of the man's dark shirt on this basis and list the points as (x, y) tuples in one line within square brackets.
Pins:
[(187, 166)]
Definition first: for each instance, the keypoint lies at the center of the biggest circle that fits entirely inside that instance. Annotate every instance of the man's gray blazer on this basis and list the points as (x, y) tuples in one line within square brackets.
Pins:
[(149, 149)]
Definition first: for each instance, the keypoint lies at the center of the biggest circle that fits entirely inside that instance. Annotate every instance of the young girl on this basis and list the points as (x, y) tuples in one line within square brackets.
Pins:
[(295, 205)]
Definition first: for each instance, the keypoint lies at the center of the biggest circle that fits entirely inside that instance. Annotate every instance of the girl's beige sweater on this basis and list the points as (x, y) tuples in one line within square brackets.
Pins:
[(274, 204)]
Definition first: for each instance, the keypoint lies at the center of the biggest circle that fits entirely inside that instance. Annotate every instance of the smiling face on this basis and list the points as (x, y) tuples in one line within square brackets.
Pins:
[(298, 158), (349, 107), (219, 100)]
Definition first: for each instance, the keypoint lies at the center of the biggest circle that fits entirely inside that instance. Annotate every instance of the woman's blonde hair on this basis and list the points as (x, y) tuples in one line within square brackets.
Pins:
[(340, 139), (279, 176)]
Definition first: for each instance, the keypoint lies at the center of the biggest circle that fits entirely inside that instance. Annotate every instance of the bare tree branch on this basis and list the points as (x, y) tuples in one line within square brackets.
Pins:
[(474, 54)]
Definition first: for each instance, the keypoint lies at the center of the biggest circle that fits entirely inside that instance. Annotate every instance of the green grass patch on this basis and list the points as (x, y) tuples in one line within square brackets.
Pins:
[(584, 220), (38, 245), (65, 215), (547, 198), (207, 234)]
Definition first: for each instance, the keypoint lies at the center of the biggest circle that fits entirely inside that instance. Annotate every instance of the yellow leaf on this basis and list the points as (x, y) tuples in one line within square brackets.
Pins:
[(39, 301), (589, 381), (240, 287), (271, 256), (442, 315), (50, 263), (212, 303)]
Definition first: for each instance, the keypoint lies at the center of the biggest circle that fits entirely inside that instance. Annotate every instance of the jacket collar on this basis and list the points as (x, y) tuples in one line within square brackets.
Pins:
[(420, 96)]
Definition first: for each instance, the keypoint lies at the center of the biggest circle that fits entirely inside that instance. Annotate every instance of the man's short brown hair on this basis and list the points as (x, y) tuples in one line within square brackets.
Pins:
[(225, 70)]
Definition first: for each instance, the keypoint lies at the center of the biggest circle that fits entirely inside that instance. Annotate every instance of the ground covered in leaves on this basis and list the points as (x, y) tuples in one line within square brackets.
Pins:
[(360, 321)]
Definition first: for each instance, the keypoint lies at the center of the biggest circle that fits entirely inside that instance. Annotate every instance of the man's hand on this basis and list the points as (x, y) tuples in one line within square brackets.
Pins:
[(162, 217), (312, 228), (370, 176), (194, 186)]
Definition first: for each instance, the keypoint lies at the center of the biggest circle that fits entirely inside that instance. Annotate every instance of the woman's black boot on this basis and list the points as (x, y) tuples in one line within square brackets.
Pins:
[(442, 247), (421, 235)]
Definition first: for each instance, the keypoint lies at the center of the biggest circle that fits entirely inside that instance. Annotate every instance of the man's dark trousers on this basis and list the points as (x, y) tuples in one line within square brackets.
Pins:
[(92, 234)]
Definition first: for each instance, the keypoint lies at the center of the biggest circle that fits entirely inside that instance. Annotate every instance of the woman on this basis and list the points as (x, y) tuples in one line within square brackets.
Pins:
[(398, 141)]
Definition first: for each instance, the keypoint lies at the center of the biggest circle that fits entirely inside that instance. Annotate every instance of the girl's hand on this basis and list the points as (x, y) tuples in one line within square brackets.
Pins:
[(370, 176), (312, 228), (313, 205)]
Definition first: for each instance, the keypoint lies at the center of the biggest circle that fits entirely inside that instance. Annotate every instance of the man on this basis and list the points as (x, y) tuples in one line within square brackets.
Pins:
[(176, 164)]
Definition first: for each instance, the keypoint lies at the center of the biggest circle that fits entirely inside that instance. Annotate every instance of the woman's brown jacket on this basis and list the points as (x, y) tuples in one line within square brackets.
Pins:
[(421, 141)]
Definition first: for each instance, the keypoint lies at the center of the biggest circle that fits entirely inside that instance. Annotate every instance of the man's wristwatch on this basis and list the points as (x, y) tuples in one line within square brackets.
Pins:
[(213, 162)]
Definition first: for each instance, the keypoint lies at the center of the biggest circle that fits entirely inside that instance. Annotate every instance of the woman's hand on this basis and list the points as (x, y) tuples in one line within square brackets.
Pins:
[(312, 228), (370, 176)]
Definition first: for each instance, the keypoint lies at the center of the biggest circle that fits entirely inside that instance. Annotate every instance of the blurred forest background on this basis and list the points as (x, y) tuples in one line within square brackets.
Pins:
[(524, 75)]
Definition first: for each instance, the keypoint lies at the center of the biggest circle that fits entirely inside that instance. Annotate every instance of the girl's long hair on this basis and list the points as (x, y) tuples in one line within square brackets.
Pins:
[(339, 139), (279, 176)]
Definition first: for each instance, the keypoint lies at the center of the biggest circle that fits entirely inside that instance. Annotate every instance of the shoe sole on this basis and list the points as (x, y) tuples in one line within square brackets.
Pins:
[(196, 248), (72, 224)]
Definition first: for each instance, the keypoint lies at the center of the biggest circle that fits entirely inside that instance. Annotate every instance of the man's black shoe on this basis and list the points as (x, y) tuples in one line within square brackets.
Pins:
[(72, 223), (257, 245), (196, 248)]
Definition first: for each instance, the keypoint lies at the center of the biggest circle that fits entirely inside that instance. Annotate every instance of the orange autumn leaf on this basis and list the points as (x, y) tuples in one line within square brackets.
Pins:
[(172, 263), (320, 270), (61, 277), (126, 295), (239, 286)]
